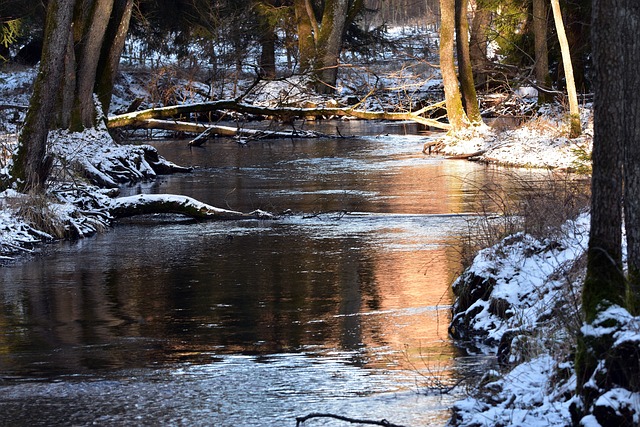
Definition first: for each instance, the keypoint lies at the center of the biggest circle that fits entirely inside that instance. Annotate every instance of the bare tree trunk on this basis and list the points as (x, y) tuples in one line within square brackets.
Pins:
[(268, 52), (31, 165), (329, 44), (632, 159), (479, 42), (614, 121), (467, 85), (574, 110), (543, 79), (93, 28), (306, 42), (455, 113), (111, 52)]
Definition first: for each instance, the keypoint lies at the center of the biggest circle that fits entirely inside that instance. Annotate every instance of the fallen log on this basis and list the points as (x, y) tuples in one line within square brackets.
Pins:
[(143, 118), (204, 130), (466, 155), (144, 204)]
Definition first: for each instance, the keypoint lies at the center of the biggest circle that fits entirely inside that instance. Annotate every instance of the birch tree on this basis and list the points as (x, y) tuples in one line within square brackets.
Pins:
[(574, 111)]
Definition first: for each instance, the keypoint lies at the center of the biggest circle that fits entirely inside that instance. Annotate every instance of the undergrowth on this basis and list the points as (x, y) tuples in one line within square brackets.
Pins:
[(536, 203)]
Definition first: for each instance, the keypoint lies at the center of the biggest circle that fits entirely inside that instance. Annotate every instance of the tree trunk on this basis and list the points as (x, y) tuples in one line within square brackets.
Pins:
[(632, 156), (306, 42), (111, 52), (31, 165), (604, 283), (543, 79), (93, 23), (329, 44), (455, 113), (479, 42), (467, 85), (574, 111)]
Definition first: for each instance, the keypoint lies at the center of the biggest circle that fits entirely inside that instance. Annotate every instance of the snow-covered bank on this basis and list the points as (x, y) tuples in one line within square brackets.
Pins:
[(540, 142), (520, 300)]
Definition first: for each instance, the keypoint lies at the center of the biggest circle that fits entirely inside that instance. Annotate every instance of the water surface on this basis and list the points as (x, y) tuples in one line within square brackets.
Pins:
[(341, 305)]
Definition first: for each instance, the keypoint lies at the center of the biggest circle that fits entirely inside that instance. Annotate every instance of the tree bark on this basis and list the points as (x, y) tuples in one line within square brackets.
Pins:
[(478, 43), (306, 42), (31, 165), (93, 24), (543, 79), (604, 283), (574, 111), (632, 152), (111, 52), (455, 113), (467, 85), (329, 44)]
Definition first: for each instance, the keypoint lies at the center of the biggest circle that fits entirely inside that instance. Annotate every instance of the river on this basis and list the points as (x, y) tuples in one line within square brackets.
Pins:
[(339, 306)]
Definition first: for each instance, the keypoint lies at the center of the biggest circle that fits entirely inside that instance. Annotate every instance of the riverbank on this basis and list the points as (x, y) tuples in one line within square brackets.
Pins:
[(539, 142)]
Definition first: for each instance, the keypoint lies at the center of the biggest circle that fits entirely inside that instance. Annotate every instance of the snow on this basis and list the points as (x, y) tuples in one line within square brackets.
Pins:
[(534, 336), (528, 275), (522, 398)]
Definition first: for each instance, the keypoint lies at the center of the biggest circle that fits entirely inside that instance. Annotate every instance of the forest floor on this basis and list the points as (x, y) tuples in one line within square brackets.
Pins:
[(532, 276)]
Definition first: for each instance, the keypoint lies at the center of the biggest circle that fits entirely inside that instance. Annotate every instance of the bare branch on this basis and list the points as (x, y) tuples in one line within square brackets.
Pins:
[(385, 423)]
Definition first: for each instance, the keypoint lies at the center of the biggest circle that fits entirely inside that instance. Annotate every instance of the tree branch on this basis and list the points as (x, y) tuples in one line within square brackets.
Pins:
[(142, 118), (385, 423)]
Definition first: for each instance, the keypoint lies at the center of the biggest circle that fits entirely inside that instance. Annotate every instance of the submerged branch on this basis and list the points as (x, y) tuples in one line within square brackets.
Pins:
[(300, 420)]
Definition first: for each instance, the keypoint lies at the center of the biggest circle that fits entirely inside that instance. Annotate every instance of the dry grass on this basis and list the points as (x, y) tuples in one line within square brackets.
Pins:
[(538, 204)]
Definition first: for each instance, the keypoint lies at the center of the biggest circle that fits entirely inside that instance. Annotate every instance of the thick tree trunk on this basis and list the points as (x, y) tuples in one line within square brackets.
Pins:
[(604, 283), (306, 42), (543, 79), (574, 110), (455, 113), (111, 52), (89, 46), (31, 165), (632, 155), (268, 40), (467, 85), (329, 44), (478, 43)]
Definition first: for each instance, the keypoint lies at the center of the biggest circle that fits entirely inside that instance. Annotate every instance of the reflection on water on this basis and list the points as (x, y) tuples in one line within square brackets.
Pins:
[(339, 306)]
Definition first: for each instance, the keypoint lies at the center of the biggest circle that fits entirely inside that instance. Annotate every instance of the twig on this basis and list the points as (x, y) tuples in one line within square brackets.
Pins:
[(385, 423)]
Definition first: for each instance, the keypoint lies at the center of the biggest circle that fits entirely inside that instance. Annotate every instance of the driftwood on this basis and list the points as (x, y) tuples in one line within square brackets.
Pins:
[(144, 118), (385, 423), (144, 204)]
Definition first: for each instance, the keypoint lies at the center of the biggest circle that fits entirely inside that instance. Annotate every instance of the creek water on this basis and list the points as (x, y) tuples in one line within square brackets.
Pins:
[(340, 305)]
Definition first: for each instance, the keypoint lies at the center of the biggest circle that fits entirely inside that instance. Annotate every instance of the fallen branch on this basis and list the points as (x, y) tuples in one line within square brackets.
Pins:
[(205, 130), (142, 118), (300, 420), (467, 155), (144, 204), (14, 107)]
